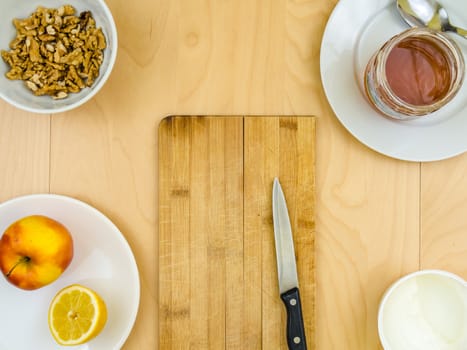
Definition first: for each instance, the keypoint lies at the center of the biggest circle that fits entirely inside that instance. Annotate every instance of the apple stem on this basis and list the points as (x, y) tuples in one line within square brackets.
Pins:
[(24, 259)]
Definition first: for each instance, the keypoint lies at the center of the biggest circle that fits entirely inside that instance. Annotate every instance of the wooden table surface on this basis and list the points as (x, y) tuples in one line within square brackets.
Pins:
[(377, 218)]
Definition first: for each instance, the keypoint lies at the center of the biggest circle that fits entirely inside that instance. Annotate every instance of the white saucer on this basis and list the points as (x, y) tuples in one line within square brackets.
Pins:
[(355, 30), (102, 261)]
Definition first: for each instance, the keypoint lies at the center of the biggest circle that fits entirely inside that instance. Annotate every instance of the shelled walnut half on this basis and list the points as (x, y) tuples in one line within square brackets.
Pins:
[(55, 51)]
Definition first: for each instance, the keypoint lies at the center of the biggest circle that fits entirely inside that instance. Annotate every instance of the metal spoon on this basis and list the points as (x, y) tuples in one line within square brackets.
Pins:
[(427, 13)]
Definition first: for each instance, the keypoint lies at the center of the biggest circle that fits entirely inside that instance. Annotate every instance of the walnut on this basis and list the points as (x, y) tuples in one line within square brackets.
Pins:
[(55, 51)]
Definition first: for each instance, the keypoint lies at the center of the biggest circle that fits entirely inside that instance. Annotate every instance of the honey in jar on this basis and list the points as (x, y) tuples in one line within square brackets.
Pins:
[(415, 73)]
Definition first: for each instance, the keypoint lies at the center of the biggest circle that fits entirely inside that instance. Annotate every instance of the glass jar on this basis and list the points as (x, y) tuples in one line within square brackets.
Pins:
[(414, 73)]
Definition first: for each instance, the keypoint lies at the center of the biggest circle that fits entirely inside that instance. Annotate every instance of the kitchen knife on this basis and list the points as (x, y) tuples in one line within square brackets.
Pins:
[(287, 270)]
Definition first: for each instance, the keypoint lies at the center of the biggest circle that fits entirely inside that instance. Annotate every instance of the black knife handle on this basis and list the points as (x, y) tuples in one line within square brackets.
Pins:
[(295, 329)]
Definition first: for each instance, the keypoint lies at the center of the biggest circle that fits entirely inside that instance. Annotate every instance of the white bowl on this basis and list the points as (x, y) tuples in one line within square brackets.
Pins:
[(425, 310), (15, 92)]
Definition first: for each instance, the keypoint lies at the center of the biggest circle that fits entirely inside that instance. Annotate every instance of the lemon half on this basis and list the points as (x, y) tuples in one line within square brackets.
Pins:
[(76, 315)]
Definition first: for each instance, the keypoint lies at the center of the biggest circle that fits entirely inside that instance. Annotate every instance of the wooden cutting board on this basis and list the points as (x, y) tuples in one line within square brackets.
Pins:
[(218, 284)]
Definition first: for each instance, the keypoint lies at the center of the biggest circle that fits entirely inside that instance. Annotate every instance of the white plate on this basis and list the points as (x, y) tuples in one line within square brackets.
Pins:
[(102, 261), (355, 30)]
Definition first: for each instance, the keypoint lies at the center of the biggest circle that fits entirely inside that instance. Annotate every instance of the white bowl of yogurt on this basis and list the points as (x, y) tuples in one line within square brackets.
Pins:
[(425, 310)]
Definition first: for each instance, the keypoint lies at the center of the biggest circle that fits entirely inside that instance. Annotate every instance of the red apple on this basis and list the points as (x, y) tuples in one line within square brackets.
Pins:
[(34, 251)]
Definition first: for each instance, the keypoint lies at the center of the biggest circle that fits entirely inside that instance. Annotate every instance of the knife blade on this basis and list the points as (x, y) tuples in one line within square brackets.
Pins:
[(287, 270)]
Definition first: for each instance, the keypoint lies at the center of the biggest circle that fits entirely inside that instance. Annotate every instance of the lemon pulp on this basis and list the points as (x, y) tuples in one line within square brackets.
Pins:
[(77, 314)]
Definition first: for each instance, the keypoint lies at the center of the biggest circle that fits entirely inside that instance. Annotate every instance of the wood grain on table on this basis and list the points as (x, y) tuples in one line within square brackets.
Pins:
[(376, 217)]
